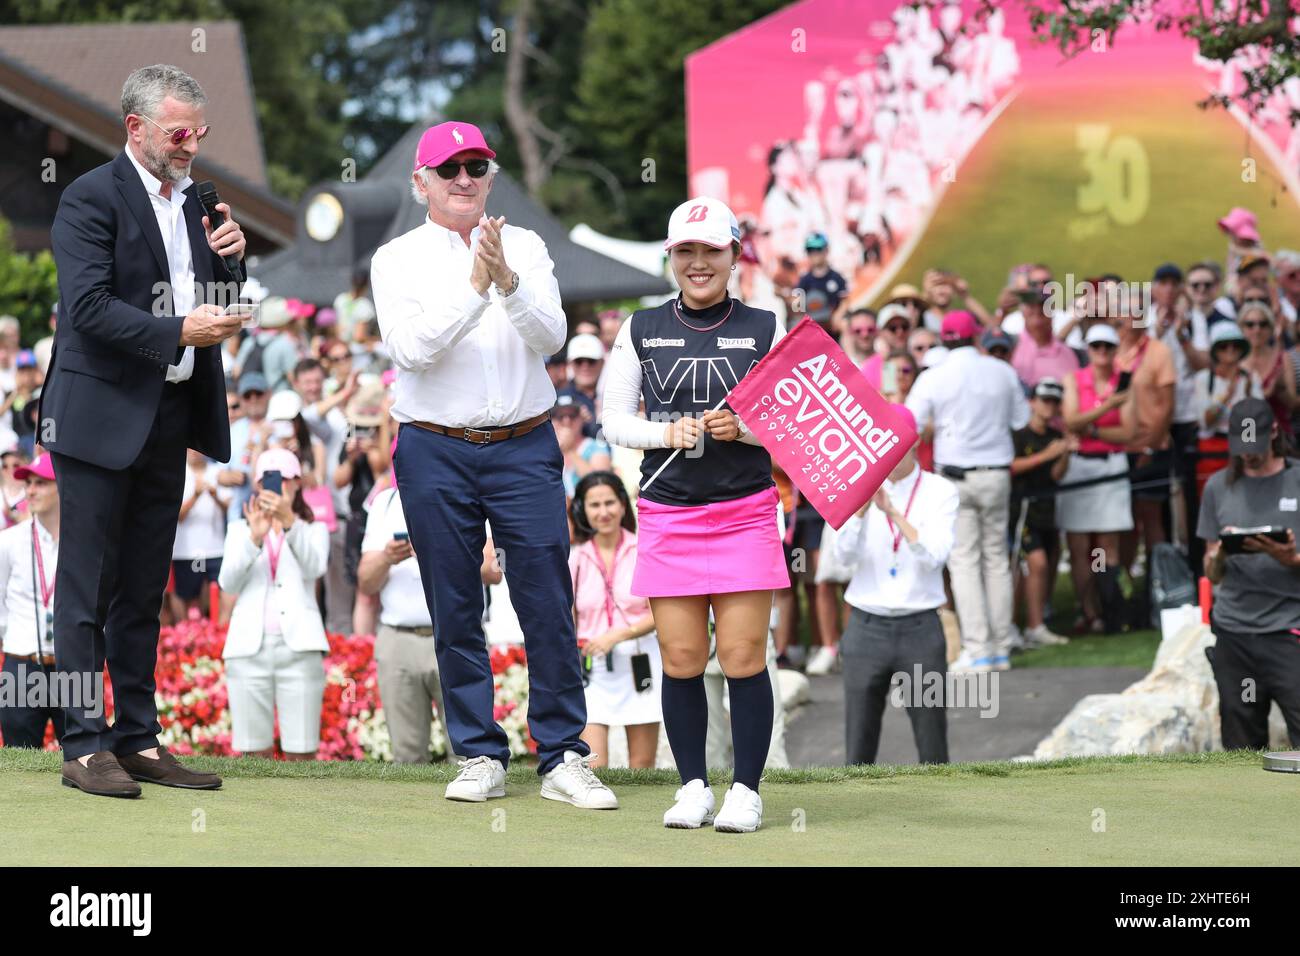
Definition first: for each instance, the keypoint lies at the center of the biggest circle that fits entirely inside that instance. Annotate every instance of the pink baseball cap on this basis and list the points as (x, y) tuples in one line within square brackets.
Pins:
[(440, 143), (1241, 224), (42, 467), (278, 459), (958, 325)]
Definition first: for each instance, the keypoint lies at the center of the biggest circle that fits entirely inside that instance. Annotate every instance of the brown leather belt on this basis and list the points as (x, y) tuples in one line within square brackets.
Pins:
[(485, 436), (45, 661), (417, 631)]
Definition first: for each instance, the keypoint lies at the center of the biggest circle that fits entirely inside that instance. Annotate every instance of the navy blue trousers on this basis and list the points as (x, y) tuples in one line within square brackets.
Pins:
[(449, 487)]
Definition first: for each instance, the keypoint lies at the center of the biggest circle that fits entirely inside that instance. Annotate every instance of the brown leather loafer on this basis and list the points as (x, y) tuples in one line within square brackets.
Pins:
[(167, 771), (103, 776)]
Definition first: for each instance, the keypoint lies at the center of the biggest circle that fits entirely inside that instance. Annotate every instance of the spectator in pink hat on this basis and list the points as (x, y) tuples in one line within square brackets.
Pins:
[(29, 555), (973, 402), (276, 643)]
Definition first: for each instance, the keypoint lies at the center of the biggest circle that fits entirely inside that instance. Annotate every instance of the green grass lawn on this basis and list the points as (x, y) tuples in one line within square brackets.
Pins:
[(1192, 809)]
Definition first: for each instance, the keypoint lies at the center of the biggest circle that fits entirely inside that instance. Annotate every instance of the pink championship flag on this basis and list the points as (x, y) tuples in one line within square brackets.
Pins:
[(822, 423)]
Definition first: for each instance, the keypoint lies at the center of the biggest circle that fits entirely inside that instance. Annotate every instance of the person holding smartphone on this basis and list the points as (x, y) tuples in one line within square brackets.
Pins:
[(276, 644), (615, 627), (1101, 414), (1256, 615)]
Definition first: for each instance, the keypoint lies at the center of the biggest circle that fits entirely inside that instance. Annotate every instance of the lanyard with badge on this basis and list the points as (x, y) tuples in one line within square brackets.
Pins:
[(46, 595), (897, 533), (642, 678)]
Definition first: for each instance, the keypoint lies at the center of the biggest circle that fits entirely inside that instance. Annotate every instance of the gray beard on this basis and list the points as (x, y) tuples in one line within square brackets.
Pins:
[(158, 165)]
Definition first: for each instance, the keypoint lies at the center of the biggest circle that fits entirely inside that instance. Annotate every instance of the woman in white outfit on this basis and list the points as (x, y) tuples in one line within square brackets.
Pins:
[(622, 667), (276, 644)]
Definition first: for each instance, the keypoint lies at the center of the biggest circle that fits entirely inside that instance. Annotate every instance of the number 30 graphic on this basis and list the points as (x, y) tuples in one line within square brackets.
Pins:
[(1119, 174)]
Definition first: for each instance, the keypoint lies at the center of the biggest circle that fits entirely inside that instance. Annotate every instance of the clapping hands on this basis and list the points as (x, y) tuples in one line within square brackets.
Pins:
[(490, 266)]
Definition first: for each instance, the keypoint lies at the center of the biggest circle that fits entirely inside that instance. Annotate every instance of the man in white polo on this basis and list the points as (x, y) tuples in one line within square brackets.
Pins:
[(974, 402), (407, 666), (469, 309)]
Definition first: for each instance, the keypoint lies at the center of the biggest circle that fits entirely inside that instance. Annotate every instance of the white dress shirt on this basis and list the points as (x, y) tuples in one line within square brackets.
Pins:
[(401, 602), (465, 360), (868, 544), (170, 213), (975, 402), (22, 617)]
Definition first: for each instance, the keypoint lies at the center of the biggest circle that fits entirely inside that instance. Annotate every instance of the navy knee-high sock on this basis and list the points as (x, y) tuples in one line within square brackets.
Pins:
[(686, 719), (751, 725)]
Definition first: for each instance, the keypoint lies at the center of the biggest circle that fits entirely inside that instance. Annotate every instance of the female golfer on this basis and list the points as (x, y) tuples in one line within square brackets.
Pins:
[(707, 511)]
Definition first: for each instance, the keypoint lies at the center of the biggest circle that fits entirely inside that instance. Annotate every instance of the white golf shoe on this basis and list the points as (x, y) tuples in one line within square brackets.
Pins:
[(694, 806), (574, 782), (742, 811), (480, 778)]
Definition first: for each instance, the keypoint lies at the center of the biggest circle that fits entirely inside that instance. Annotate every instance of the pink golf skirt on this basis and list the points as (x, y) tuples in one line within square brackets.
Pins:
[(685, 550)]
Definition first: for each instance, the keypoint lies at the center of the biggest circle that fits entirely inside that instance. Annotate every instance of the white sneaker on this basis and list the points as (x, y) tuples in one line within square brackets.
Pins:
[(742, 811), (480, 779), (965, 663), (694, 806), (574, 782), (822, 662), (1040, 636)]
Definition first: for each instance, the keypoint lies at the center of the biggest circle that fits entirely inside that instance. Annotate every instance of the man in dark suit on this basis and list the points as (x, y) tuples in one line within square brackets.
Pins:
[(135, 378)]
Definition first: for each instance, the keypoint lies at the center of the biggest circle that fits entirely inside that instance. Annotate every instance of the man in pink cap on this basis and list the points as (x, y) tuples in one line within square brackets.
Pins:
[(974, 402), (469, 309), (29, 554)]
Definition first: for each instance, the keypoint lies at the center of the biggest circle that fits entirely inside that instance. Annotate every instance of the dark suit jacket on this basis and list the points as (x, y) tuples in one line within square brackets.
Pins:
[(111, 350)]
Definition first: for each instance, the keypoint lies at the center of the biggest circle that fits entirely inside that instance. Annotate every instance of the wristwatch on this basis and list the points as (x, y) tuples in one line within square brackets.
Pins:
[(514, 285)]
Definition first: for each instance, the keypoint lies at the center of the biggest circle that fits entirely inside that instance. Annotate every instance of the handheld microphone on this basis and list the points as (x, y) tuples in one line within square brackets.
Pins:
[(208, 199)]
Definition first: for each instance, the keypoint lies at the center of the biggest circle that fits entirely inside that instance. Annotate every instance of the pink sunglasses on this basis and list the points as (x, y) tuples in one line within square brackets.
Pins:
[(182, 133)]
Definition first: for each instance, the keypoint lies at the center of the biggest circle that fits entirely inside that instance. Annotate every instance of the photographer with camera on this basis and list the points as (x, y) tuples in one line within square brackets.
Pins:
[(1250, 520)]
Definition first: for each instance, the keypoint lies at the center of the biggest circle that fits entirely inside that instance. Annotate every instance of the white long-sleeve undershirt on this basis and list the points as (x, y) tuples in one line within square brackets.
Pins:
[(621, 423)]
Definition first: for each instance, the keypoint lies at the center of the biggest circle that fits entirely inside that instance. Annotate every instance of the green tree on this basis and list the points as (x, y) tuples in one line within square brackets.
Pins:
[(630, 101), (28, 286), (298, 52)]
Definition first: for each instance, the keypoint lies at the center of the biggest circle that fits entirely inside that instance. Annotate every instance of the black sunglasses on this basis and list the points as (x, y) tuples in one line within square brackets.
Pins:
[(1200, 285), (477, 169)]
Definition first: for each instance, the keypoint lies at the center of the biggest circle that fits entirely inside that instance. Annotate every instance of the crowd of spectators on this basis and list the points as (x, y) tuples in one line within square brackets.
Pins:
[(1079, 428)]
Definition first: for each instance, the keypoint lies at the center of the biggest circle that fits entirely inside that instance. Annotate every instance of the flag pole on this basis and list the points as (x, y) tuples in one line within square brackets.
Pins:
[(678, 450)]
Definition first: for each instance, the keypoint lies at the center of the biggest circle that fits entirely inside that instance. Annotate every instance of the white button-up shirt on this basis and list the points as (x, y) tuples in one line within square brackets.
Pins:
[(23, 616), (170, 213), (465, 360), (868, 543), (401, 602), (975, 402)]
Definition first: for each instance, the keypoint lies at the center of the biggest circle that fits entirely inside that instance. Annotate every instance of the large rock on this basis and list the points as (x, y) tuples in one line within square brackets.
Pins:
[(1173, 709)]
